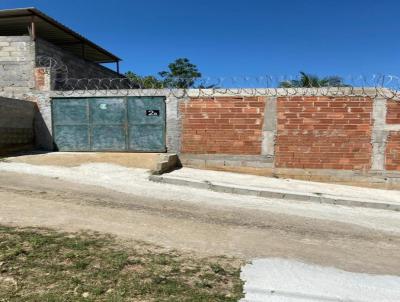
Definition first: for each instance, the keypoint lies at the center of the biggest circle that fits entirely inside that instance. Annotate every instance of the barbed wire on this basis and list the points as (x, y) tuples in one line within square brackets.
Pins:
[(58, 70), (378, 85)]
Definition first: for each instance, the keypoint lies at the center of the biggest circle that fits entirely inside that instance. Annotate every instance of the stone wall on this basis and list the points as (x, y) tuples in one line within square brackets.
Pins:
[(17, 62), (16, 125), (231, 125)]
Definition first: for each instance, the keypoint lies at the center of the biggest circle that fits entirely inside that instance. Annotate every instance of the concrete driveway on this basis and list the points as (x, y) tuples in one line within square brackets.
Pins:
[(148, 161)]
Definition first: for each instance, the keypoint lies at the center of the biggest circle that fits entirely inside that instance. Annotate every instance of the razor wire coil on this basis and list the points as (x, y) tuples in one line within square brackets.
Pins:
[(378, 85)]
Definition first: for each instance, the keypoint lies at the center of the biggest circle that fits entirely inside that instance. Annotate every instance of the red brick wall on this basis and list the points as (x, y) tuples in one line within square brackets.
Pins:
[(39, 78), (324, 133), (393, 112), (393, 151), (226, 125)]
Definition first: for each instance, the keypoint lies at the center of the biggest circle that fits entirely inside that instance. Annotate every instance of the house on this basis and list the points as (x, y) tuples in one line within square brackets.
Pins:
[(30, 39)]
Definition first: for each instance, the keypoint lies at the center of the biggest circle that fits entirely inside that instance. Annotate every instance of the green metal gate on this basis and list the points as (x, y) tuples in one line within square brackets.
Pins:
[(134, 124)]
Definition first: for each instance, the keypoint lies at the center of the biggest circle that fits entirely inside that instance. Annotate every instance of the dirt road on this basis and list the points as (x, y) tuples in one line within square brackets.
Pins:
[(204, 227)]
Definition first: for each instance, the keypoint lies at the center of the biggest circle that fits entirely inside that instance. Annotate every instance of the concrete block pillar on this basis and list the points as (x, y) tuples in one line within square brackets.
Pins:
[(269, 127), (173, 130), (379, 134)]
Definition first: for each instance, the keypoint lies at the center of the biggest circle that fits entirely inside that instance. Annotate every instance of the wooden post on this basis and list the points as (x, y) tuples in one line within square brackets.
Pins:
[(83, 50), (33, 29)]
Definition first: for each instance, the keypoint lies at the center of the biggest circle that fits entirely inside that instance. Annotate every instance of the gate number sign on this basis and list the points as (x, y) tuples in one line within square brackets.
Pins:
[(152, 112)]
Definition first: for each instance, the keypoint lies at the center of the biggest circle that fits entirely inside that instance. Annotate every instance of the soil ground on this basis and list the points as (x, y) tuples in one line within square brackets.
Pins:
[(73, 159), (43, 265), (209, 224)]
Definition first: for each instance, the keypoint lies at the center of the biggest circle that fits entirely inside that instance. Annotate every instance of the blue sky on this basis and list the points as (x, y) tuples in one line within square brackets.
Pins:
[(237, 38)]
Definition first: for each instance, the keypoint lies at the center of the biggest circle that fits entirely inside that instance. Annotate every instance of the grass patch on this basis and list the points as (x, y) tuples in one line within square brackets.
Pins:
[(44, 265)]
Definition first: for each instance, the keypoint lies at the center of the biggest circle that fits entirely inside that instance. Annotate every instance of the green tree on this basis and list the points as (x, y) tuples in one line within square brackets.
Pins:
[(181, 74), (308, 80), (144, 82)]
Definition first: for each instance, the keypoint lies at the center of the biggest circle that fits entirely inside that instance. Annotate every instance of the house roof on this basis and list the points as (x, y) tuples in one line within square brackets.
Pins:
[(14, 22)]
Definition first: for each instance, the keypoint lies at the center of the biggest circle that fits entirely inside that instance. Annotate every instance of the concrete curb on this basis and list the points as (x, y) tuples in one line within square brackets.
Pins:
[(167, 163), (279, 194)]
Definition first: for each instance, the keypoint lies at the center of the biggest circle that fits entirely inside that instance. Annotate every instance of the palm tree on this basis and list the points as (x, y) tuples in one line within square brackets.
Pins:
[(308, 81)]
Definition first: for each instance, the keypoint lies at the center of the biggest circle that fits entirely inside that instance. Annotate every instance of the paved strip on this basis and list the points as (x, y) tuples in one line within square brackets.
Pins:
[(135, 181), (281, 189), (282, 280)]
